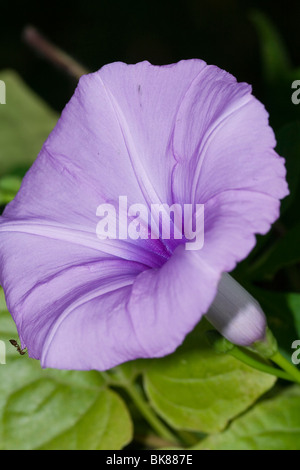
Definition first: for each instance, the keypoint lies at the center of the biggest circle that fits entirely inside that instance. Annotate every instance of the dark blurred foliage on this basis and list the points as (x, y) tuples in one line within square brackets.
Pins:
[(257, 41), (99, 32)]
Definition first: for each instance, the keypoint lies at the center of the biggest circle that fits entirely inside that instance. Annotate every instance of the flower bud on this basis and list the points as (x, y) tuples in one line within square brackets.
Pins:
[(236, 314)]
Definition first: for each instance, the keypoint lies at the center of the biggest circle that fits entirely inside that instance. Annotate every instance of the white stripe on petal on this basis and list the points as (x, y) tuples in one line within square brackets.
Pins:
[(236, 314)]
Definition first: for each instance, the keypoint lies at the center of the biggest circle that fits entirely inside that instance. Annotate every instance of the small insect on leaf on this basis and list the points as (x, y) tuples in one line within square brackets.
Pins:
[(16, 345)]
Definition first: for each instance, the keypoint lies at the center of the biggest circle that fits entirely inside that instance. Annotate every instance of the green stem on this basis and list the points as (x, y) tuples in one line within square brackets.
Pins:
[(255, 364), (119, 379), (286, 365), (149, 415), (106, 377)]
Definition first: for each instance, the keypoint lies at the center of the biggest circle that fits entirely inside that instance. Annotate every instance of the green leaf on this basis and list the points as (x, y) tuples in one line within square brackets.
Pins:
[(288, 146), (25, 123), (9, 186), (273, 424), (257, 264), (105, 426), (130, 370), (294, 303), (274, 54), (284, 252), (196, 389), (277, 71), (51, 409), (2, 302)]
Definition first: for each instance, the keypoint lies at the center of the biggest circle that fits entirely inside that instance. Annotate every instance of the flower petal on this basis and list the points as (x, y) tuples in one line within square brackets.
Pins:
[(45, 275), (149, 318), (222, 141), (225, 155), (181, 133), (232, 218)]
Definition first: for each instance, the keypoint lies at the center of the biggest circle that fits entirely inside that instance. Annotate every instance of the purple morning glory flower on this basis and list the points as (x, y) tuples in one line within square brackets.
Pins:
[(186, 133)]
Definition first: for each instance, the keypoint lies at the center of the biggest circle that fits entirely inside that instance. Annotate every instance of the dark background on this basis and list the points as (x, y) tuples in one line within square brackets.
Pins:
[(99, 32)]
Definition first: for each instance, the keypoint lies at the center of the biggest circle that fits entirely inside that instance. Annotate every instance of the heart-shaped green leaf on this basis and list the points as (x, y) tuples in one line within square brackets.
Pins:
[(25, 123), (273, 424), (197, 389), (50, 409)]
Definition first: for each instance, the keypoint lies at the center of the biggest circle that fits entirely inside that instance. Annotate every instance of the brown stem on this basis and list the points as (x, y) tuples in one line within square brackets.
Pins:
[(52, 53), (153, 442)]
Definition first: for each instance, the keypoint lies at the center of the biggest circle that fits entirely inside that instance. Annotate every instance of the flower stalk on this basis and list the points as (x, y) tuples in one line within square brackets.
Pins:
[(52, 53), (282, 362), (268, 349), (258, 365), (119, 379), (222, 345)]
